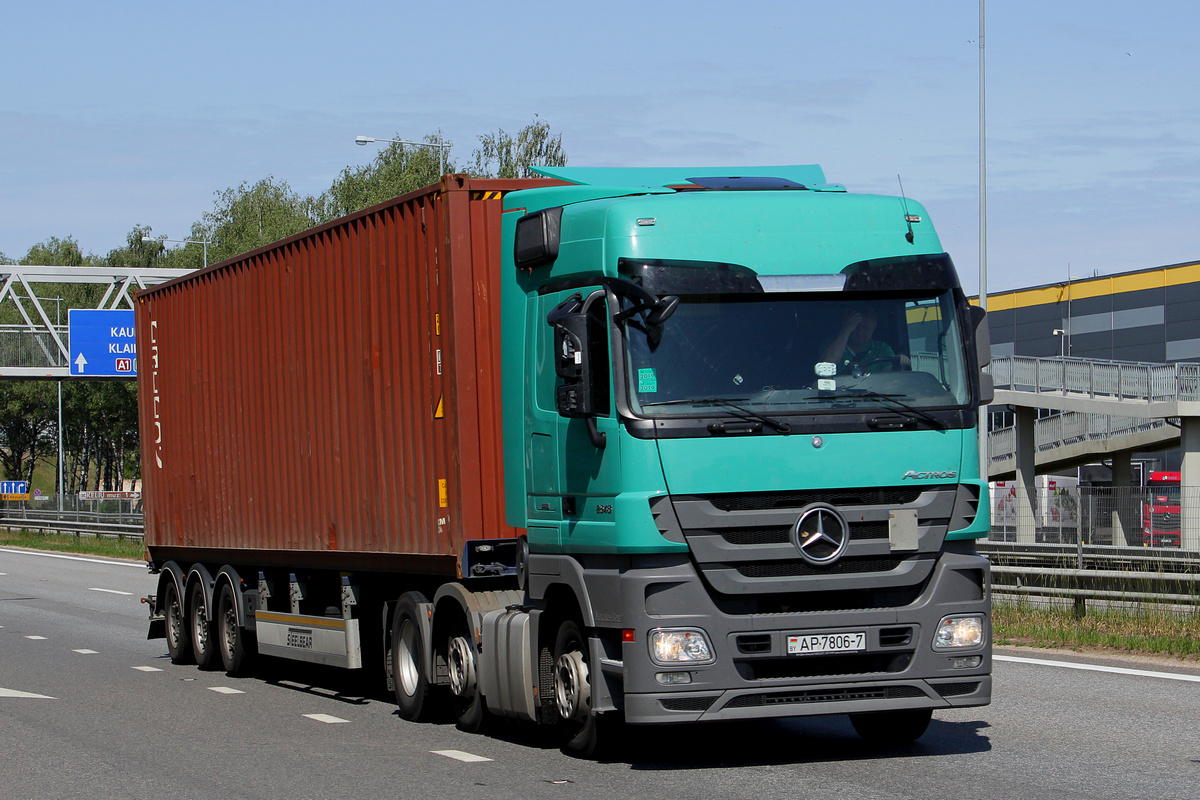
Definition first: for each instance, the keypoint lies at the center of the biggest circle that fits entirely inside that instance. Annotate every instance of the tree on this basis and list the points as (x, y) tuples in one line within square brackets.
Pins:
[(27, 426), (397, 169), (137, 252), (501, 156)]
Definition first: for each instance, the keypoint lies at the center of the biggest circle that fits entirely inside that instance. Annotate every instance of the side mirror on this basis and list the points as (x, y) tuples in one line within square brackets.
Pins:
[(983, 354), (575, 397), (537, 238)]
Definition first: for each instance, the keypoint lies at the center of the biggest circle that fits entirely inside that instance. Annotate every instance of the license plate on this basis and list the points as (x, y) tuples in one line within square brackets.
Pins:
[(813, 643)]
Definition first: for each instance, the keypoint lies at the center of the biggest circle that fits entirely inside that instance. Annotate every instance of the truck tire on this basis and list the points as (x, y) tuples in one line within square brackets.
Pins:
[(573, 692), (469, 711), (179, 641), (892, 727), (203, 633), (413, 688), (234, 643)]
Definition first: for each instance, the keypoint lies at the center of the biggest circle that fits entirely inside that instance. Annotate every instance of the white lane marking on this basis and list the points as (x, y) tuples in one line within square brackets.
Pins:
[(1142, 673), (28, 695), (86, 652), (148, 669), (110, 591), (225, 690), (136, 565), (459, 755), (37, 638), (326, 718)]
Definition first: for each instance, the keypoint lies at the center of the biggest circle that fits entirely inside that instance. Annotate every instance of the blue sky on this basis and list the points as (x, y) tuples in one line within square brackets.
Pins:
[(122, 113)]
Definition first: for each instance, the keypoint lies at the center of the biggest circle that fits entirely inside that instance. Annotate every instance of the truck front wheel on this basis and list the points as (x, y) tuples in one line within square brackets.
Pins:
[(573, 692)]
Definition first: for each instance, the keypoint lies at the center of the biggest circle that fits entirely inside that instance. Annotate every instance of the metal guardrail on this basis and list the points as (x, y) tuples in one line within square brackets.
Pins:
[(76, 526), (1087, 572)]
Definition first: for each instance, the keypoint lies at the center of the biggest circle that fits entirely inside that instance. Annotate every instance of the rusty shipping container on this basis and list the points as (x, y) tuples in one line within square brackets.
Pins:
[(332, 400)]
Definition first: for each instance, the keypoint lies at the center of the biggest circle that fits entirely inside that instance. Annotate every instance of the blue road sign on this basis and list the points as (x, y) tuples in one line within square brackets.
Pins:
[(14, 490), (102, 343)]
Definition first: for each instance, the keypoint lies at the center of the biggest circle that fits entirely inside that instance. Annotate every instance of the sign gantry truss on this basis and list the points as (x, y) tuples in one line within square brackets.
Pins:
[(34, 343)]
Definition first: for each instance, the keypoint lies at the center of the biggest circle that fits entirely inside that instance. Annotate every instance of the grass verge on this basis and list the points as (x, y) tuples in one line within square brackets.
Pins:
[(69, 543), (1140, 629)]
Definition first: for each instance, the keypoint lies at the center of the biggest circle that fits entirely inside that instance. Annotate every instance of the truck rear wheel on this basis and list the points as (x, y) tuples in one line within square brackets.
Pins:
[(236, 651), (892, 727), (179, 642), (202, 631), (464, 683), (413, 688)]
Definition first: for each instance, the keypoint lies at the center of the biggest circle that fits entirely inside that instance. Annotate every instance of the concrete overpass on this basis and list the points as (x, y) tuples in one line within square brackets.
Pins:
[(1109, 410)]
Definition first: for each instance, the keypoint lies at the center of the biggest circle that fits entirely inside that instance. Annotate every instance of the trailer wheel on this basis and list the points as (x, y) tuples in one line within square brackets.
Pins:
[(408, 658), (464, 683), (892, 727), (573, 692), (236, 652), (202, 631), (179, 643)]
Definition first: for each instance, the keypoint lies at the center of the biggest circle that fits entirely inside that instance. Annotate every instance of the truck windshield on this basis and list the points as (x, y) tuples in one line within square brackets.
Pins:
[(882, 346)]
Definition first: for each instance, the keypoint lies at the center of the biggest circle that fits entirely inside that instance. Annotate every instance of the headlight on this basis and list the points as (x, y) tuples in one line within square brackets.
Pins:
[(680, 646), (966, 631)]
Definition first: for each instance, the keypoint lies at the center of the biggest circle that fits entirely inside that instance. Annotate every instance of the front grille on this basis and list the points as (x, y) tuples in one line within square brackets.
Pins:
[(824, 696), (687, 703), (792, 569), (881, 496), (859, 531), (766, 669)]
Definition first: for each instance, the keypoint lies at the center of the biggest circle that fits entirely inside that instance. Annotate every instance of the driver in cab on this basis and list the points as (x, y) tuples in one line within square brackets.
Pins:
[(855, 345)]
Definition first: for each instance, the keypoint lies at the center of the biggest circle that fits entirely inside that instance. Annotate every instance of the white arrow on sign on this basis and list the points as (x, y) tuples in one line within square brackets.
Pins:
[(80, 362)]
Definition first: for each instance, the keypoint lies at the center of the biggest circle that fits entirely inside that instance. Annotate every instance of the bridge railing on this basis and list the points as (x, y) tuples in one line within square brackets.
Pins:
[(1120, 380)]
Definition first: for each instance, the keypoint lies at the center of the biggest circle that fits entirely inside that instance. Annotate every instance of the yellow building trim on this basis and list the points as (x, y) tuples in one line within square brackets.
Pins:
[(1095, 287)]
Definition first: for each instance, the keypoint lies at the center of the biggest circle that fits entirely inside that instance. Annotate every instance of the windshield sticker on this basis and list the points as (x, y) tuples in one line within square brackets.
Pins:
[(647, 381)]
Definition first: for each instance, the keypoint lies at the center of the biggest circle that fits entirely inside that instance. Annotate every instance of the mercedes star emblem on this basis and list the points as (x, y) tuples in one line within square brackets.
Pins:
[(821, 534)]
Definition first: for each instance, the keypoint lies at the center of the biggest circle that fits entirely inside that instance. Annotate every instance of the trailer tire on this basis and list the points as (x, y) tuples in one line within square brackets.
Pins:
[(179, 642), (413, 688), (203, 632), (892, 727), (237, 651)]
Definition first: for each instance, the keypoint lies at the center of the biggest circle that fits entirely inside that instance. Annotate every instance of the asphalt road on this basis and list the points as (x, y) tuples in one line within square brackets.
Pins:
[(90, 709)]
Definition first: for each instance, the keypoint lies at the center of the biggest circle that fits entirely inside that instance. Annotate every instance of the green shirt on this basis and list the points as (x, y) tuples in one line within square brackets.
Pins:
[(874, 351)]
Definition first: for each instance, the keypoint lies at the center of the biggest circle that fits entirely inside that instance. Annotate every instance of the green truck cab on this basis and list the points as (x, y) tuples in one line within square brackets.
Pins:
[(740, 416)]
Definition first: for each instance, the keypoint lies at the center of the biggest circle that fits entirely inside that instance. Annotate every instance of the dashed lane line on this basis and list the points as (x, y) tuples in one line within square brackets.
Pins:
[(37, 638), (109, 591), (459, 755), (1142, 673), (27, 695), (326, 718), (148, 669), (86, 652), (225, 690)]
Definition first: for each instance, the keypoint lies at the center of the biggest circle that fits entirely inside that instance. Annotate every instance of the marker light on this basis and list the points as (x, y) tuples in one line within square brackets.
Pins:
[(680, 646)]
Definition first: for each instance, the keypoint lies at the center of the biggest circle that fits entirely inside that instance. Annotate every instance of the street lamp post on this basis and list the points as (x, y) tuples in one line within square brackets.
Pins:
[(440, 145), (204, 242)]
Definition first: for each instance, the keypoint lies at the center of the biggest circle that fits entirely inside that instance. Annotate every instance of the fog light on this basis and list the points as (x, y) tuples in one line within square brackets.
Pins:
[(964, 631), (966, 662), (680, 645), (673, 678)]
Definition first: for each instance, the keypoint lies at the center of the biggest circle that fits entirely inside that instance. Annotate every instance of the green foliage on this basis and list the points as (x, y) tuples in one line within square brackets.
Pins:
[(65, 543), (27, 426), (502, 156), (397, 169), (57, 252)]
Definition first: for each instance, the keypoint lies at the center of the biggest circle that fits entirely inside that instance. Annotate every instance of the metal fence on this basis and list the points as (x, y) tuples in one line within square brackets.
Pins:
[(1124, 380)]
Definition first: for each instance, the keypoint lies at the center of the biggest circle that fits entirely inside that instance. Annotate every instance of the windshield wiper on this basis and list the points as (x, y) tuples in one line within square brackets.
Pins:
[(778, 425), (890, 398)]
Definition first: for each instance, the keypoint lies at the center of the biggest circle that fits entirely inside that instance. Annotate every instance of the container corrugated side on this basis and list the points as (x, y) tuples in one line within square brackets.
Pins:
[(332, 399)]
